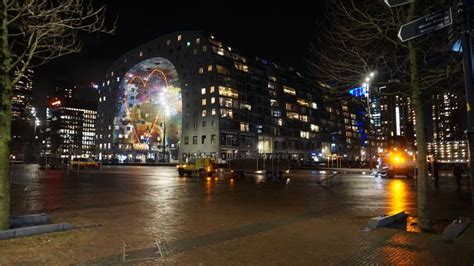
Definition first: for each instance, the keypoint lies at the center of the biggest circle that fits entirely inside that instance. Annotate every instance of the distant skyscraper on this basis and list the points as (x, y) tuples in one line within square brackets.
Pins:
[(22, 123), (449, 142), (70, 129)]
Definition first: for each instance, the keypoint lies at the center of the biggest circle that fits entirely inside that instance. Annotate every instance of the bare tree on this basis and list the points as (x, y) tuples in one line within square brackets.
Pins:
[(360, 36), (34, 32)]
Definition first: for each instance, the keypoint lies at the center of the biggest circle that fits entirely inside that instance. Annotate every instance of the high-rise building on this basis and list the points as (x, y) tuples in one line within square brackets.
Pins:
[(449, 142), (186, 94), (22, 119), (70, 129)]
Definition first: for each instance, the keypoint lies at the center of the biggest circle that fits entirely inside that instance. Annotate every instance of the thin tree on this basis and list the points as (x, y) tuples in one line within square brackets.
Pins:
[(34, 32), (360, 36)]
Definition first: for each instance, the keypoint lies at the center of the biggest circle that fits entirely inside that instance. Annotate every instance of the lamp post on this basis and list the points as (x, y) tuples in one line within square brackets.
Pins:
[(366, 85)]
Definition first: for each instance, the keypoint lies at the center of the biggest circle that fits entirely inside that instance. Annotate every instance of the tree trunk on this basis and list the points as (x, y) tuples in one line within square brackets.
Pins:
[(5, 124), (424, 216)]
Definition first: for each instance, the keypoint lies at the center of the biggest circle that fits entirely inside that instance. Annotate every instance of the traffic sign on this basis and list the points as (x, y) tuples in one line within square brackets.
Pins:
[(395, 3), (425, 25)]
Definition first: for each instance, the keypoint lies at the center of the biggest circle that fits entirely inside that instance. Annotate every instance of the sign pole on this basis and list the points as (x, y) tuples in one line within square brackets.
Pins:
[(469, 86)]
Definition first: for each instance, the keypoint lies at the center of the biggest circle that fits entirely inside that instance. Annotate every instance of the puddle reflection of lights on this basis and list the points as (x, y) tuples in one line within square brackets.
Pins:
[(398, 195)]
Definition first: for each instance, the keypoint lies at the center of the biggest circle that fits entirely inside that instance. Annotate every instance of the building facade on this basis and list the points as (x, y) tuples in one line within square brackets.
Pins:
[(70, 129), (449, 142), (187, 95), (22, 127)]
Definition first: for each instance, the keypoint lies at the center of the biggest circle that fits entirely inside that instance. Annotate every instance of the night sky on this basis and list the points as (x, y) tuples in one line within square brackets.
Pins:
[(280, 32)]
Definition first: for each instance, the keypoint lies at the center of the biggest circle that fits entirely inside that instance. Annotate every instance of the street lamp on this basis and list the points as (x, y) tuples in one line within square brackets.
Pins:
[(366, 85)]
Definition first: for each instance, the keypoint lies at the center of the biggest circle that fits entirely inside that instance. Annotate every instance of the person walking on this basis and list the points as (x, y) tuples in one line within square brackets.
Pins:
[(457, 173), (435, 172)]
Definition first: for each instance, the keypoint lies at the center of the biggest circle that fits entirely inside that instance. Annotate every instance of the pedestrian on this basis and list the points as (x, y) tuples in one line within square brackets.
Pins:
[(435, 172), (457, 173)]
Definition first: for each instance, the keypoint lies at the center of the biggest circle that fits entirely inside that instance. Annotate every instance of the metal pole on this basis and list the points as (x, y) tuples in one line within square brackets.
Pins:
[(369, 133), (469, 86), (164, 138)]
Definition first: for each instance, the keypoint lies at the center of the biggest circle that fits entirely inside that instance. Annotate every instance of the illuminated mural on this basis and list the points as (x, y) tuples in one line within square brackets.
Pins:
[(150, 107)]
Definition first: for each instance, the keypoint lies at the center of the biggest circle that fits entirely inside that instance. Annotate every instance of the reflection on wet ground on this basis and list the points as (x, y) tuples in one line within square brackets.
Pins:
[(141, 204)]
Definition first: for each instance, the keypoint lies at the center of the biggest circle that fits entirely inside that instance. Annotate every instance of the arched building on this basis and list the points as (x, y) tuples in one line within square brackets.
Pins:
[(187, 95)]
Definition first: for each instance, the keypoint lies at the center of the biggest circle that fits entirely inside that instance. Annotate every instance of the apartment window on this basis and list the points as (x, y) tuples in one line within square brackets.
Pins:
[(209, 68), (304, 118), (203, 102), (213, 124), (289, 90), (198, 40), (213, 100), (228, 92), (195, 140), (179, 37), (203, 91), (280, 122), (201, 70), (204, 123), (213, 139), (292, 115), (204, 48), (226, 113), (244, 127), (304, 134), (212, 89), (314, 128), (141, 54), (213, 111), (168, 42), (204, 113), (203, 139), (186, 140)]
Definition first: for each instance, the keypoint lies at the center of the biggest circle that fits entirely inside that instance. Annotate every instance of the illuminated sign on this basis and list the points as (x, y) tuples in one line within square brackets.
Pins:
[(56, 103), (358, 91)]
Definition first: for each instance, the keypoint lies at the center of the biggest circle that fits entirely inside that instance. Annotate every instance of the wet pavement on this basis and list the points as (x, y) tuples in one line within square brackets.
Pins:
[(149, 215)]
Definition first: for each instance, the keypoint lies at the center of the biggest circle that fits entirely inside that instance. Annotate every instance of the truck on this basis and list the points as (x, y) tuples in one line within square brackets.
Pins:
[(199, 166), (396, 162), (271, 168)]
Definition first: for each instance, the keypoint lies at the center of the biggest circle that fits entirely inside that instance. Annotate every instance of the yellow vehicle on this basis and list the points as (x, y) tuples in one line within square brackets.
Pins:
[(397, 162), (84, 163), (201, 166)]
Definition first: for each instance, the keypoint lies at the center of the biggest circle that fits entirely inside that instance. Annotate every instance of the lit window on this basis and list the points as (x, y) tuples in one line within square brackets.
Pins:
[(289, 90), (303, 102), (241, 67), (213, 100), (304, 118), (292, 115), (212, 89), (209, 68), (168, 42), (280, 122), (204, 113), (204, 48), (213, 111), (228, 92), (304, 135), (201, 70), (226, 113), (314, 105), (203, 102), (203, 91), (198, 40), (141, 53), (179, 37), (188, 44), (244, 127)]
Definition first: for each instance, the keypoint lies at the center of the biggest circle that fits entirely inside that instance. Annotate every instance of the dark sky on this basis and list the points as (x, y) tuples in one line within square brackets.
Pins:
[(280, 32)]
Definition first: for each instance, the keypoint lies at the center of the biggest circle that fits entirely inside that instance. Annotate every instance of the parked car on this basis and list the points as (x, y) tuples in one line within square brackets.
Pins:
[(85, 163)]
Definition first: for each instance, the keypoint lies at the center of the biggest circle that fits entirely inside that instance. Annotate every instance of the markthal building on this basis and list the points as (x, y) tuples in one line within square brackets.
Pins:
[(186, 95)]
